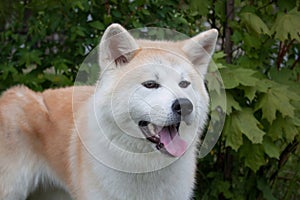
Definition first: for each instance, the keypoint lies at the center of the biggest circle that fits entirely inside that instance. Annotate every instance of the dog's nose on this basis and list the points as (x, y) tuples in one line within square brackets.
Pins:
[(182, 106)]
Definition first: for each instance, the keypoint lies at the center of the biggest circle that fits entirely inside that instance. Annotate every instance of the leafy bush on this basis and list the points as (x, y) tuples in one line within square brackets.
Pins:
[(261, 74), (257, 157), (43, 42)]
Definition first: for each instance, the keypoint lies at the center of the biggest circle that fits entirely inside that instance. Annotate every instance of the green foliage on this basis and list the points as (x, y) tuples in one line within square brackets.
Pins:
[(287, 26), (257, 157), (262, 85), (44, 39), (254, 23)]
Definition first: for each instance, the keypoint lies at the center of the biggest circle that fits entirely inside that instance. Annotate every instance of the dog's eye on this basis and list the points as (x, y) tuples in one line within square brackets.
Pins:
[(184, 84), (151, 84)]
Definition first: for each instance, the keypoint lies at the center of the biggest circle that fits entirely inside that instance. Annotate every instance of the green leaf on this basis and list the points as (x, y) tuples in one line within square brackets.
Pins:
[(290, 130), (219, 55), (253, 155), (283, 76), (242, 123), (224, 188), (296, 119), (265, 188), (275, 99), (254, 23), (284, 5), (219, 9), (267, 105), (217, 100), (264, 85), (80, 31), (287, 26), (234, 136), (58, 79), (30, 57), (283, 127), (182, 20), (136, 24), (237, 37), (239, 76), (146, 12), (248, 124), (293, 94), (229, 79), (250, 92), (276, 130), (213, 82), (271, 149), (245, 76), (6, 69), (97, 25), (231, 104), (201, 6), (61, 64), (252, 42), (77, 4), (107, 19)]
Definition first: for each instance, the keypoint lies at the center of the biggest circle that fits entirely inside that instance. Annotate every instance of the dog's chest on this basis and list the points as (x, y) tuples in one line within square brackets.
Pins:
[(146, 188), (173, 182)]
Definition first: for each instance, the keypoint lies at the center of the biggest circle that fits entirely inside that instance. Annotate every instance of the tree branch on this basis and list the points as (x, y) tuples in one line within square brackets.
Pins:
[(290, 148), (295, 62), (228, 31), (283, 49)]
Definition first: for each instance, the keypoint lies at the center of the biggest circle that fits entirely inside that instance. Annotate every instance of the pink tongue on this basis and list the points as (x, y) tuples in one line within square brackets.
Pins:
[(173, 143)]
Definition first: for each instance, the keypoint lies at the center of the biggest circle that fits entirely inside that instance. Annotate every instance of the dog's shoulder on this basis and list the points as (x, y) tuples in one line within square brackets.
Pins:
[(21, 99), (23, 108)]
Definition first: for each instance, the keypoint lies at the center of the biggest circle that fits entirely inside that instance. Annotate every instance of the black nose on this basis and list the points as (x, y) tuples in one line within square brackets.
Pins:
[(182, 106)]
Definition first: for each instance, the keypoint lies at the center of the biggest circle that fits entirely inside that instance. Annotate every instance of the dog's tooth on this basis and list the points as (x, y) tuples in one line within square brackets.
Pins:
[(152, 129)]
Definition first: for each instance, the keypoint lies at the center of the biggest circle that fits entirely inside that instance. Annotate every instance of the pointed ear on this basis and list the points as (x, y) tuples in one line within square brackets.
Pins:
[(200, 48), (117, 47)]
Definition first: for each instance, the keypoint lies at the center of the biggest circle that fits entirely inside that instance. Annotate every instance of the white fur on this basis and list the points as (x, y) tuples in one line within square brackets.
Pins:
[(107, 155)]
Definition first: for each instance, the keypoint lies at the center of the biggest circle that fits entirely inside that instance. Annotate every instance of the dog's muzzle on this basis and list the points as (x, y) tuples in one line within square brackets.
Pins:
[(167, 137)]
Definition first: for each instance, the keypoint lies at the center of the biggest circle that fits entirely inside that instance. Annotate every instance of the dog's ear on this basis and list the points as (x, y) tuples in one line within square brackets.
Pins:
[(200, 48), (117, 47)]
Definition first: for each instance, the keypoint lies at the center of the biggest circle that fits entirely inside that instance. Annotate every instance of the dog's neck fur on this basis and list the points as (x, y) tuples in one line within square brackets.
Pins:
[(124, 172)]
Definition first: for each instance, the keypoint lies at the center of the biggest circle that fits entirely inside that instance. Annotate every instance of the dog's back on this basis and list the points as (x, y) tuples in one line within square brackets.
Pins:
[(27, 119)]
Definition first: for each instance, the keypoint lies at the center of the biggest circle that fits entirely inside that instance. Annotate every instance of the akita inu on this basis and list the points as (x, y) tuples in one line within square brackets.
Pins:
[(132, 136)]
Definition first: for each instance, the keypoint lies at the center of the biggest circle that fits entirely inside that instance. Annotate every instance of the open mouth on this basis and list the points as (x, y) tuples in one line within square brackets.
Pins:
[(165, 137)]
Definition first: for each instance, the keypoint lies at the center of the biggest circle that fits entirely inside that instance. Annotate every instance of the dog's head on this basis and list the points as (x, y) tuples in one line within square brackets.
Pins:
[(157, 88)]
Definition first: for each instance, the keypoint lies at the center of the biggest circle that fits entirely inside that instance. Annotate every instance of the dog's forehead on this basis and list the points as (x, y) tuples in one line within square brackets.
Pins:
[(169, 66), (161, 62)]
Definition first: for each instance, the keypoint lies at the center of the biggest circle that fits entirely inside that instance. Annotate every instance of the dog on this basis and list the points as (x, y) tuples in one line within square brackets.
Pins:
[(131, 136)]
